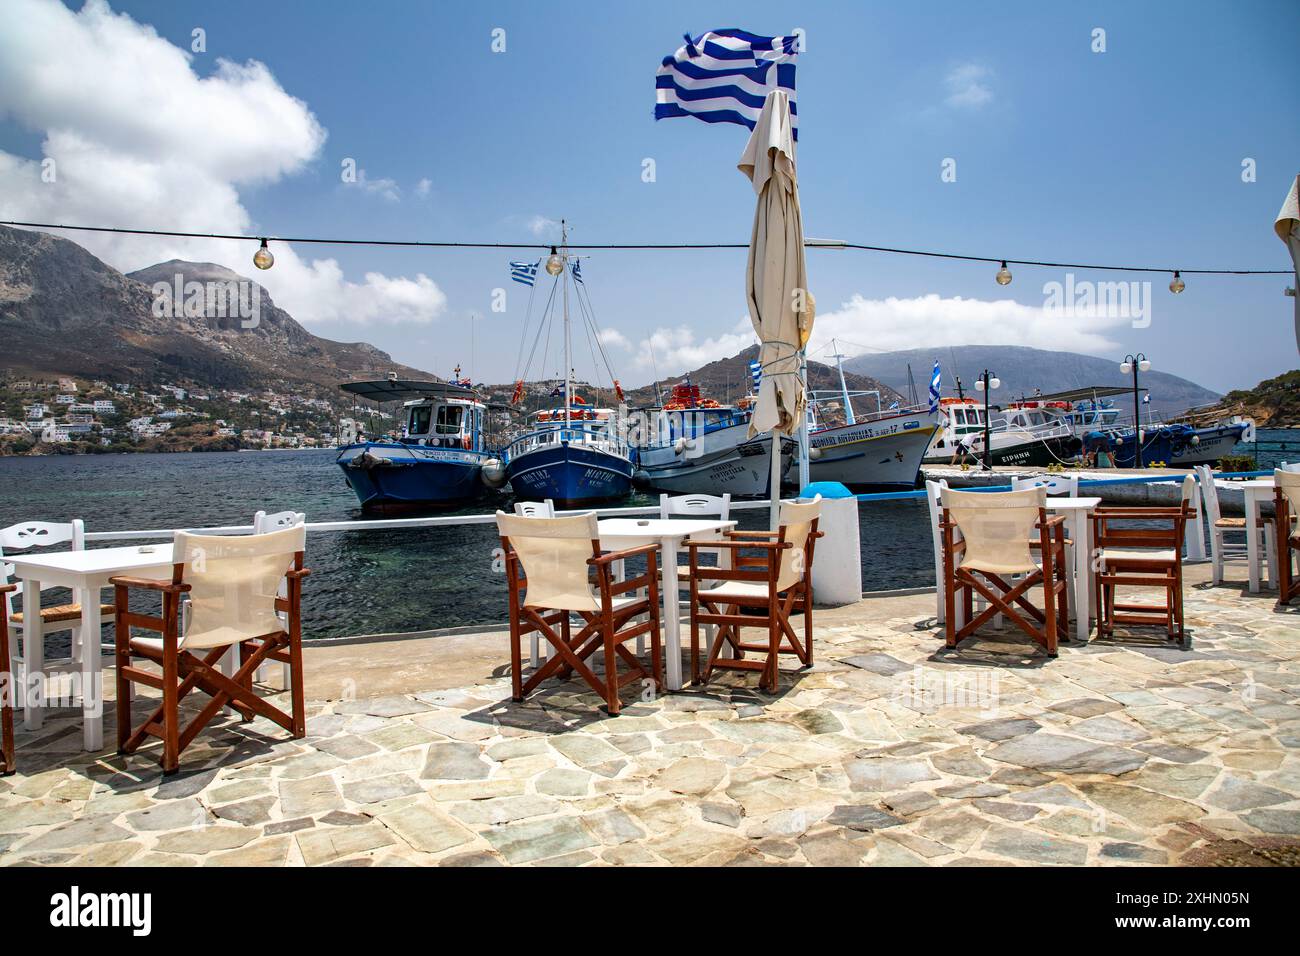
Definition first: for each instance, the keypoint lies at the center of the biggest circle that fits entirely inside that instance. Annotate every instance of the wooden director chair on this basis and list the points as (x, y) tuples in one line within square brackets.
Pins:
[(1147, 556), (999, 532), (231, 582), (771, 586), (1286, 501), (548, 565)]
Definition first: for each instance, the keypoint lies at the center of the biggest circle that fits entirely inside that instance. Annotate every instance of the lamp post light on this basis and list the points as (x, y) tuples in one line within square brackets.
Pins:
[(1136, 363), (986, 383)]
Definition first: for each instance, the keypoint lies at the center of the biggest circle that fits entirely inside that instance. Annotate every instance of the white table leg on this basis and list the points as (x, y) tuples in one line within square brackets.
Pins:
[(33, 656), (1252, 540), (1078, 527), (671, 613), (92, 675)]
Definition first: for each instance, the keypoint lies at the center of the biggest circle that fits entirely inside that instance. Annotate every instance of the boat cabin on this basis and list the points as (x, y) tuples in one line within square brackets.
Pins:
[(453, 423), (959, 417)]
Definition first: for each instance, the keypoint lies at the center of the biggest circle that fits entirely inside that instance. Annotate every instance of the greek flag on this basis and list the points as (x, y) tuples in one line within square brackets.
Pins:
[(525, 272), (725, 75), (934, 389), (755, 374), (577, 272)]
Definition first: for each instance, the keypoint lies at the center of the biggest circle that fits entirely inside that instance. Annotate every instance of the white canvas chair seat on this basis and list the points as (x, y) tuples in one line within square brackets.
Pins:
[(1230, 523), (1130, 555), (740, 590)]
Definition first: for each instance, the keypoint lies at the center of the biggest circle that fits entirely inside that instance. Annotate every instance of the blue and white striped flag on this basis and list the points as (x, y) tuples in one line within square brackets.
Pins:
[(577, 272), (934, 389), (525, 272), (724, 76), (755, 374)]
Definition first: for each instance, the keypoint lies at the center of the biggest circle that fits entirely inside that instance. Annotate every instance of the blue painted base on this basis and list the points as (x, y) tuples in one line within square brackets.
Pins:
[(390, 477), (570, 475)]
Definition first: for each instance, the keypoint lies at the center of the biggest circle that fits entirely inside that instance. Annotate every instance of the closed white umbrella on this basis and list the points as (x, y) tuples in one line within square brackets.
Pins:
[(1287, 227), (776, 280)]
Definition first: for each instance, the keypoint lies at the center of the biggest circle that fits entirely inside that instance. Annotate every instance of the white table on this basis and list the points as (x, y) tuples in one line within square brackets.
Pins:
[(619, 534), (1254, 491), (86, 573)]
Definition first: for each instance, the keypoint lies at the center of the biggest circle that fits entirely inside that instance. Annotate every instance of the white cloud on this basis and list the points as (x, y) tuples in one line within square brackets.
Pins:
[(423, 188), (614, 337), (140, 140), (863, 324), (675, 350), (386, 189), (541, 226), (968, 86)]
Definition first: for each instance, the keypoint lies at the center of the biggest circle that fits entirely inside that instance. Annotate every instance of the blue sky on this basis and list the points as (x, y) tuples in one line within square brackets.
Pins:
[(1133, 155)]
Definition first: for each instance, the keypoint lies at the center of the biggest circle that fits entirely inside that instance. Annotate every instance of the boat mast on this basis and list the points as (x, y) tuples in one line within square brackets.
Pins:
[(844, 389), (568, 345)]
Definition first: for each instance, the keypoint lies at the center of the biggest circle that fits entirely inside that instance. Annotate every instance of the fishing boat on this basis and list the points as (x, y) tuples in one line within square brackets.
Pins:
[(872, 450), (1024, 434), (696, 445), (576, 454), (437, 458)]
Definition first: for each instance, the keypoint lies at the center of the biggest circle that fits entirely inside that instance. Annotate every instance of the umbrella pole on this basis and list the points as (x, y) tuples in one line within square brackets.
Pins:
[(774, 486)]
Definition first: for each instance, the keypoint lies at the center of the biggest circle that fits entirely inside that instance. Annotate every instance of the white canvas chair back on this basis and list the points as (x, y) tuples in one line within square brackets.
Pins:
[(1055, 484), (263, 522), (796, 519), (554, 553), (36, 534), (535, 509), (997, 527), (1289, 482), (1285, 467), (233, 582)]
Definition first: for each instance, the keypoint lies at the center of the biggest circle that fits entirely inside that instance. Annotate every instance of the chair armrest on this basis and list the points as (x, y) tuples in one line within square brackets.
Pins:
[(147, 584), (622, 555), (738, 545), (297, 575), (1053, 521), (8, 587), (733, 533)]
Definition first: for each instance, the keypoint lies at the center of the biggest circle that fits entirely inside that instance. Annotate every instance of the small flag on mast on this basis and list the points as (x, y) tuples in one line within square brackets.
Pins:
[(524, 272), (725, 75), (577, 272), (934, 389), (755, 374)]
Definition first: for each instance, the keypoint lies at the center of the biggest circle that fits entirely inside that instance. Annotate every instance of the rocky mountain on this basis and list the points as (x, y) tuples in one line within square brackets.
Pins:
[(63, 311), (1274, 403), (1022, 370), (728, 379)]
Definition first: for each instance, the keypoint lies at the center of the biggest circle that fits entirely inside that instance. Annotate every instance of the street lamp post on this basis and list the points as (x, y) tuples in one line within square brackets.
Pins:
[(986, 383), (1136, 363)]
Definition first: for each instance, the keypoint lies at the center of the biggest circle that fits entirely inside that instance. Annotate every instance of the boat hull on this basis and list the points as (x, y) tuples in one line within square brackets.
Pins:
[(731, 463), (393, 477), (1213, 444), (1033, 453), (569, 474), (885, 453)]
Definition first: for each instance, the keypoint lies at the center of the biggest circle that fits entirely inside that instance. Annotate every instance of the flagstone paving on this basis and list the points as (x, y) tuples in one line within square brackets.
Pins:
[(891, 751)]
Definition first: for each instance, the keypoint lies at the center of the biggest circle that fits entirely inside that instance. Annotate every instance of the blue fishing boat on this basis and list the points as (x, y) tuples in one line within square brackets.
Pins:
[(576, 454), (438, 458), (573, 456)]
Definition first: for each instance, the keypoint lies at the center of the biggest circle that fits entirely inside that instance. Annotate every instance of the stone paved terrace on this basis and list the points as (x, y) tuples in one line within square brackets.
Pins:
[(889, 752)]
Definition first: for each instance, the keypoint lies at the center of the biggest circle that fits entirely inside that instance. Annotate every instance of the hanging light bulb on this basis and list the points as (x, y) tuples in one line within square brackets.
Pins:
[(1176, 284), (262, 258), (1004, 275), (554, 263)]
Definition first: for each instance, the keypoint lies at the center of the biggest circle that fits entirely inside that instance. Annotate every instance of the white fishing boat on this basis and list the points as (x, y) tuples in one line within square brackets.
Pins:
[(696, 445), (874, 450)]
